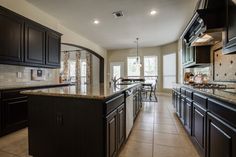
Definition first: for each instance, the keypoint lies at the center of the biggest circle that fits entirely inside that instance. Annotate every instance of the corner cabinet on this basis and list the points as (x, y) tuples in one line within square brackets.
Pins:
[(229, 36), (27, 43), (53, 56)]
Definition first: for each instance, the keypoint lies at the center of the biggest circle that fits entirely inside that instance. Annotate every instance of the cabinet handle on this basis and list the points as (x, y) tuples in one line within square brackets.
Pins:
[(59, 119)]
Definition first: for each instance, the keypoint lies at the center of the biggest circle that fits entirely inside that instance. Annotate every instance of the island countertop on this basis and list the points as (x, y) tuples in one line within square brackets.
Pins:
[(97, 92)]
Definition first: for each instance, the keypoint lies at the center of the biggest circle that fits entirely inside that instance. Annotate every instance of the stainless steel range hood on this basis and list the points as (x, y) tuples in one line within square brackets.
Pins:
[(207, 23)]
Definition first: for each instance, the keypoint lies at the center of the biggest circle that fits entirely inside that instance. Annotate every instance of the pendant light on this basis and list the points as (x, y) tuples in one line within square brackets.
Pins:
[(138, 61)]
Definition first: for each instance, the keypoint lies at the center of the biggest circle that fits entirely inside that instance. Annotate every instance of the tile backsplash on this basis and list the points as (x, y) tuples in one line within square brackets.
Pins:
[(16, 75)]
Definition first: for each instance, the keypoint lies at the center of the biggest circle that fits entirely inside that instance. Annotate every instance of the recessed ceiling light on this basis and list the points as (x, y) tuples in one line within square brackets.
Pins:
[(96, 22), (153, 12)]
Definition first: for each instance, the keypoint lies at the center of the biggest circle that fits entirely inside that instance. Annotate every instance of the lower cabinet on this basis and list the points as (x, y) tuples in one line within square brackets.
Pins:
[(178, 99), (115, 131), (112, 129), (15, 115), (182, 109), (221, 138), (188, 116), (199, 123)]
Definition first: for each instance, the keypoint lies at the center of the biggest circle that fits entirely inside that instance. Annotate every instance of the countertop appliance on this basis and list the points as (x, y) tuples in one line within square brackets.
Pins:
[(129, 111)]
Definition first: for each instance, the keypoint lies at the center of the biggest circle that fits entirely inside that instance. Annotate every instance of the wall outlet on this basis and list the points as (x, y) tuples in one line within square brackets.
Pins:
[(19, 74)]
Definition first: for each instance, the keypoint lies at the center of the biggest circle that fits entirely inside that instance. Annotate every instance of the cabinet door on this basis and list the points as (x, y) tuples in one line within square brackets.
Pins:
[(199, 121), (11, 30), (15, 114), (178, 104), (188, 117), (182, 108), (53, 52), (230, 33), (35, 36), (121, 125), (221, 138), (111, 134)]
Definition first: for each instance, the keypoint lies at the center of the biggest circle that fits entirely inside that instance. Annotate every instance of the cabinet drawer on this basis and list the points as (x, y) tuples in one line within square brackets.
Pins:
[(200, 100), (189, 94), (12, 95), (114, 103), (223, 111)]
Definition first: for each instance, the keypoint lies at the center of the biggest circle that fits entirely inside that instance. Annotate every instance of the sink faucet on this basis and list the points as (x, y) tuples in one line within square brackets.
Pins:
[(114, 80)]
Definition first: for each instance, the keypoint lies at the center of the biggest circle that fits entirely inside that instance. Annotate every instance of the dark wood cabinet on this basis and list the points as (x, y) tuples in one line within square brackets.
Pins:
[(199, 123), (182, 105), (178, 106), (53, 56), (194, 56), (11, 38), (112, 134), (35, 48), (188, 115), (121, 125), (27, 43), (14, 113), (221, 138), (229, 36)]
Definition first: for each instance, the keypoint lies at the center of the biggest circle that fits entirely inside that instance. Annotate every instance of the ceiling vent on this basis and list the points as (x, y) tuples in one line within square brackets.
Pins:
[(118, 14)]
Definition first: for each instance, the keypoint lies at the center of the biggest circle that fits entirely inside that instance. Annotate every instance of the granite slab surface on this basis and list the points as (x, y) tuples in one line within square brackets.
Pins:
[(30, 85), (82, 91), (227, 95)]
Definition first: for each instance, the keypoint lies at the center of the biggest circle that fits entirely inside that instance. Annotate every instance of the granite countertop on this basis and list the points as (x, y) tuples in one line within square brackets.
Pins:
[(29, 85), (97, 92), (227, 95)]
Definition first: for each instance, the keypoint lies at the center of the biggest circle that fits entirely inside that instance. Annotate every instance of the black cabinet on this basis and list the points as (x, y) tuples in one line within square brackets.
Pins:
[(53, 49), (221, 138), (178, 106), (112, 134), (121, 125), (229, 36), (194, 56), (35, 48), (199, 123), (14, 113), (11, 38), (188, 116), (27, 43)]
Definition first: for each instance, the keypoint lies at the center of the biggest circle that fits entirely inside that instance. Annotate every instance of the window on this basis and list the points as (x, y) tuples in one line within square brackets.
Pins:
[(150, 67), (83, 71), (72, 74), (169, 70), (133, 69), (116, 71)]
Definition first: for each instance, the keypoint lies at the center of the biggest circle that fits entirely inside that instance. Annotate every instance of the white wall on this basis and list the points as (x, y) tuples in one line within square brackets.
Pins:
[(26, 9)]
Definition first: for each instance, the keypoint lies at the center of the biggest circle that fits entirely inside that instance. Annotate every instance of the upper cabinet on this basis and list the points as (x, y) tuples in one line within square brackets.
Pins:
[(229, 36), (11, 30), (53, 47), (35, 37), (25, 42)]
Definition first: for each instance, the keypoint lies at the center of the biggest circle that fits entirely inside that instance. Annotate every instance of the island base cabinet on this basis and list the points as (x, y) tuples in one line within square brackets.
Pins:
[(115, 131), (221, 138)]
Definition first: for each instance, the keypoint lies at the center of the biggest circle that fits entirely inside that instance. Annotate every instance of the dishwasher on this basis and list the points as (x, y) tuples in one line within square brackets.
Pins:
[(129, 111)]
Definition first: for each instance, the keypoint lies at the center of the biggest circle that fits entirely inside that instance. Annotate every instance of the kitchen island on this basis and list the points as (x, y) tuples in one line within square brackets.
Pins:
[(79, 120)]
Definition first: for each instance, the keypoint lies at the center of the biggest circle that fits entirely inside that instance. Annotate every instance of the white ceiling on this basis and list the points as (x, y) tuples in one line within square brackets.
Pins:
[(118, 33)]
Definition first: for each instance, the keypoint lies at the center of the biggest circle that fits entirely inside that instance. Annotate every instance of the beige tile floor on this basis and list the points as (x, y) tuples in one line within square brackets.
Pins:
[(156, 133)]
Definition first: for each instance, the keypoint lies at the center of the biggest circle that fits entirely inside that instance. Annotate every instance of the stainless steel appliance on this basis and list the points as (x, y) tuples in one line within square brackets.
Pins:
[(129, 111)]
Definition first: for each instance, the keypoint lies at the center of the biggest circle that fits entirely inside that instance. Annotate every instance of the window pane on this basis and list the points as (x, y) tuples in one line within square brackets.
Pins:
[(150, 65), (72, 70), (169, 70), (133, 68), (83, 65), (116, 71)]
